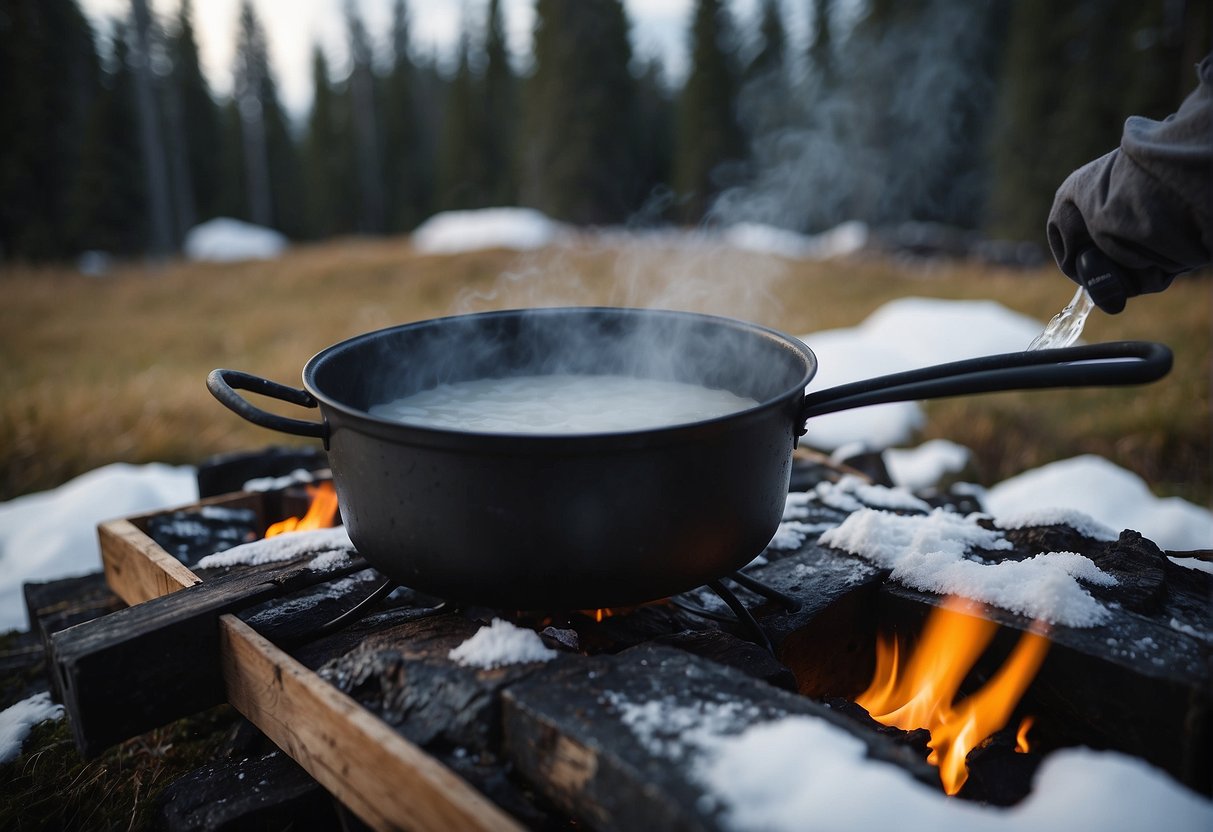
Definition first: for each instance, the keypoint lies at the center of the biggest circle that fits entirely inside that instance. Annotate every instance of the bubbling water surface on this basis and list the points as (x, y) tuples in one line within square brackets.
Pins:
[(561, 404)]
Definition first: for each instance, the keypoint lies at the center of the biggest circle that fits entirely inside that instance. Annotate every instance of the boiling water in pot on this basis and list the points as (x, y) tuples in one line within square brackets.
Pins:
[(566, 404)]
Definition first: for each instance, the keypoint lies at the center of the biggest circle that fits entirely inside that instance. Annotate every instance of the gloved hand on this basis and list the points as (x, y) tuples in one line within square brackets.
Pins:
[(1110, 284)]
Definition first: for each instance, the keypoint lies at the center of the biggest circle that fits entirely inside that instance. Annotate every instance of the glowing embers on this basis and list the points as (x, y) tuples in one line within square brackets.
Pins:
[(919, 690), (321, 512)]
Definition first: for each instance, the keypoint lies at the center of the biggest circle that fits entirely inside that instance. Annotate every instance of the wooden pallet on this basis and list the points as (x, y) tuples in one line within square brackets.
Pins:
[(378, 774)]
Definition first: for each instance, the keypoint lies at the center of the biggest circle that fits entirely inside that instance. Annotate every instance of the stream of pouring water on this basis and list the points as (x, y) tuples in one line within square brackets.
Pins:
[(1066, 325)]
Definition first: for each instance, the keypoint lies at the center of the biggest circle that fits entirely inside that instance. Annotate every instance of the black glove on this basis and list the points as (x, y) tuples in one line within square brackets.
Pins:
[(1110, 284)]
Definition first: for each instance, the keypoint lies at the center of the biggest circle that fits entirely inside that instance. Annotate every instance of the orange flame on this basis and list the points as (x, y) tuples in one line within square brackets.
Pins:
[(321, 512), (1021, 736), (922, 695)]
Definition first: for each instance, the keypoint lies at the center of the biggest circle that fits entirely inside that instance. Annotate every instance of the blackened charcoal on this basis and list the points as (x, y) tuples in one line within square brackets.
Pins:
[(192, 534)]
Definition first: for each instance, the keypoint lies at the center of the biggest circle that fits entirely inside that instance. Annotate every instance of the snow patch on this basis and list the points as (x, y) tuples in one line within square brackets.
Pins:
[(452, 232), (17, 721), (929, 553), (1110, 495), (799, 771), (53, 534), (924, 466), (840, 241), (225, 240), (499, 644)]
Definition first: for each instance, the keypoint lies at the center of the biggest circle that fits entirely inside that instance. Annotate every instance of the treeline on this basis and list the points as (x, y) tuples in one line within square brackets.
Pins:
[(962, 113)]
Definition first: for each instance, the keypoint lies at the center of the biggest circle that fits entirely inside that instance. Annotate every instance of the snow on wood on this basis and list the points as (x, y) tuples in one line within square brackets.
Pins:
[(502, 643)]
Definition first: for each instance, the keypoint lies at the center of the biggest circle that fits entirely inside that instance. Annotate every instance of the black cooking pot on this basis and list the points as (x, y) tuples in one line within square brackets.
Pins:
[(596, 520)]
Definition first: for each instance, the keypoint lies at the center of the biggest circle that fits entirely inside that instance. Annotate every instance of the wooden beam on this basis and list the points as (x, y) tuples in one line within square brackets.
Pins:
[(136, 568), (147, 665), (382, 777)]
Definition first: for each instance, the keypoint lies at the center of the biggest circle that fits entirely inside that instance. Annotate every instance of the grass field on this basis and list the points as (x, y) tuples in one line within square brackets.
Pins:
[(112, 369)]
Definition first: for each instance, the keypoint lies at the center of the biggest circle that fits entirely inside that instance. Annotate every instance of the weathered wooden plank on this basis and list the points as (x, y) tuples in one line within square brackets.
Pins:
[(136, 568), (574, 734), (372, 769), (261, 791), (147, 665), (385, 779)]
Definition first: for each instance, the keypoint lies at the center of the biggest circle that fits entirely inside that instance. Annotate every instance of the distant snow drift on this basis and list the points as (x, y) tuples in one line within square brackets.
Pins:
[(846, 238), (225, 240), (452, 232)]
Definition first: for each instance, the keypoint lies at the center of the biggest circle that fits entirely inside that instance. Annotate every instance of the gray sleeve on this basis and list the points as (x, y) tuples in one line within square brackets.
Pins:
[(1147, 205)]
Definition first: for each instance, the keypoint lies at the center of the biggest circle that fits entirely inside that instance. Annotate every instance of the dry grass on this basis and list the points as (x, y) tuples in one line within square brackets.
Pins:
[(50, 786), (103, 370)]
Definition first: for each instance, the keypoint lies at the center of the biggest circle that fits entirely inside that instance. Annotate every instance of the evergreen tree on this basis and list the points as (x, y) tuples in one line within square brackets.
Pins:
[(327, 160), (49, 80), (821, 48), (578, 162), (763, 102), (193, 124), (161, 238), (461, 160), (654, 140), (364, 123), (251, 73), (769, 62), (233, 191), (924, 71), (707, 130), (108, 208), (430, 94), (1046, 128), (271, 164), (499, 108), (404, 147)]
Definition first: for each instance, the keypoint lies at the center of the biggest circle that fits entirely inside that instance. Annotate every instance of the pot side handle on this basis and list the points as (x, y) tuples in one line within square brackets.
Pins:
[(223, 385), (1093, 365)]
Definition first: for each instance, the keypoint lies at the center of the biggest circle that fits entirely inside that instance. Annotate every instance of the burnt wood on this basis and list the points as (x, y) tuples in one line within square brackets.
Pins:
[(266, 791), (147, 665), (563, 732), (56, 605)]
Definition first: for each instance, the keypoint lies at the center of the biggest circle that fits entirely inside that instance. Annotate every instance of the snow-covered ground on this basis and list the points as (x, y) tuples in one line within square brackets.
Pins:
[(225, 240), (452, 232), (53, 534)]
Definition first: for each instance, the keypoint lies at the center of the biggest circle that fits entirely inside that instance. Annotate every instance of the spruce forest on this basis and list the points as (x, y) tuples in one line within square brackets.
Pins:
[(946, 111)]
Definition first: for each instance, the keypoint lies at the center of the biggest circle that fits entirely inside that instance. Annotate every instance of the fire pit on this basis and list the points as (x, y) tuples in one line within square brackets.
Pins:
[(624, 719)]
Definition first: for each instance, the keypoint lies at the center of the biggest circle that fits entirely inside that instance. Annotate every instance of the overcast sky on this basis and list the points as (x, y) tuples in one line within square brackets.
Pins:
[(659, 27)]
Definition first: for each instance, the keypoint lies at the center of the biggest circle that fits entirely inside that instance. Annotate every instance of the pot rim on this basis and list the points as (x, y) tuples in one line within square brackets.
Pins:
[(398, 430)]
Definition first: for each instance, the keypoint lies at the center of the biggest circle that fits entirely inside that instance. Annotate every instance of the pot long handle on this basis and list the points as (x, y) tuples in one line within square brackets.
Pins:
[(223, 385), (1094, 365)]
